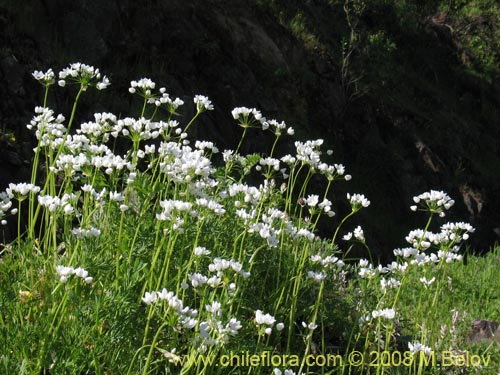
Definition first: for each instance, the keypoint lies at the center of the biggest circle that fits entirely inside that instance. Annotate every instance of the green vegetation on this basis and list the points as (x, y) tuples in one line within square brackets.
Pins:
[(141, 262)]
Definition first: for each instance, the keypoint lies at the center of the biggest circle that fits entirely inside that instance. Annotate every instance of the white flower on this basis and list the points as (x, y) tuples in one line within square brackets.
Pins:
[(200, 251), (426, 282), (347, 236), (144, 85), (357, 201), (214, 309), (83, 74), (21, 190), (311, 326), (434, 201), (316, 276), (391, 283), (262, 318), (312, 200), (418, 347), (202, 103), (150, 298), (280, 326), (384, 313), (197, 279), (47, 78), (243, 115), (358, 234)]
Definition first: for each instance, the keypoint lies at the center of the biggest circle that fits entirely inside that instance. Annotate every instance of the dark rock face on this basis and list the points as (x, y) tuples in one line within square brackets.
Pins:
[(399, 138)]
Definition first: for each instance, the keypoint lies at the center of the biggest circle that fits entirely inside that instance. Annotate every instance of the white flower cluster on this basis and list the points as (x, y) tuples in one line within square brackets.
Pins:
[(250, 194), (266, 322), (417, 347), (83, 74), (265, 228), (277, 127), (46, 79), (172, 206), (217, 268), (357, 201), (213, 331), (200, 251), (65, 272), (49, 129), (63, 204), (202, 103), (308, 153), (203, 145), (333, 172), (327, 263), (21, 190), (5, 205), (434, 201), (219, 265), (186, 316), (325, 206), (367, 271), (448, 242), (143, 85), (182, 164), (248, 117), (390, 283), (212, 205), (427, 282), (70, 164), (144, 88), (388, 314), (86, 233), (357, 233), (99, 129)]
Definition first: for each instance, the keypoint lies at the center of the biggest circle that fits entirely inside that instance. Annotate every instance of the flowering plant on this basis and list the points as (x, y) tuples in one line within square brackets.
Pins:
[(187, 256)]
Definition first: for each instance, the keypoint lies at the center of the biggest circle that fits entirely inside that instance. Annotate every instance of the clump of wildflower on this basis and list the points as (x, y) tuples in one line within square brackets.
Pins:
[(434, 201), (84, 75)]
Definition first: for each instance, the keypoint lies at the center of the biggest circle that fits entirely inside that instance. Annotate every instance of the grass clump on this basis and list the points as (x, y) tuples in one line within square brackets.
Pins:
[(174, 257)]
